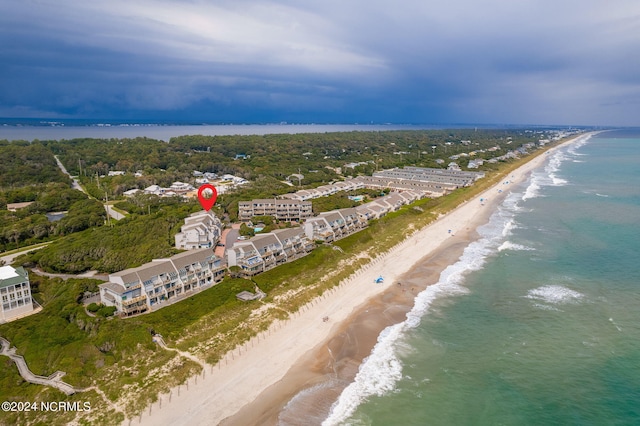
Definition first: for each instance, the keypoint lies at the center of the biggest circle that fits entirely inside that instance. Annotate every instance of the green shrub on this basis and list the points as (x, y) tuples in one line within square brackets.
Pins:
[(93, 307), (106, 311)]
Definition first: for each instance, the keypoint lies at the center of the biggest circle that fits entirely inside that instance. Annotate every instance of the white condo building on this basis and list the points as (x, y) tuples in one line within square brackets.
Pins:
[(162, 281), (266, 251), (200, 230), (15, 293)]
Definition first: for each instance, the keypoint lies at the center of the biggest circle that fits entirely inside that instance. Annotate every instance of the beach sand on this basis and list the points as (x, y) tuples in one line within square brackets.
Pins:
[(313, 360)]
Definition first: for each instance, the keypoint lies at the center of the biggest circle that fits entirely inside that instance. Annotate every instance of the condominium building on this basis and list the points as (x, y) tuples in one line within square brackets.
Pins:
[(287, 210), (425, 174), (162, 281), (15, 293), (429, 189), (266, 251), (200, 230), (333, 225), (380, 206)]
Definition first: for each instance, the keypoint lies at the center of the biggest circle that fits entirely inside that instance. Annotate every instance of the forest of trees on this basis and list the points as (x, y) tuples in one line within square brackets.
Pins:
[(128, 243), (28, 172), (316, 156)]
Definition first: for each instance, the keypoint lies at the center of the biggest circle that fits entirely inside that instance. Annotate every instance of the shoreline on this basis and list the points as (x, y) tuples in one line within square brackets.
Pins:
[(253, 383)]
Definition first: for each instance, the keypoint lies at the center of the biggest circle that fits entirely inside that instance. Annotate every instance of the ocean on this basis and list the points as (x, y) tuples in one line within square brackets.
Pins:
[(538, 323)]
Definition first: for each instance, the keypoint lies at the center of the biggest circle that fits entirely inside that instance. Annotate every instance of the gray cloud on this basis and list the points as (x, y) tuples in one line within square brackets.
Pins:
[(412, 61)]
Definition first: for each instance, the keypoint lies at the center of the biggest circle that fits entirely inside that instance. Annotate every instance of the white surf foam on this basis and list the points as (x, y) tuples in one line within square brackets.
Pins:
[(508, 245), (379, 373), (554, 295), (549, 176), (532, 191), (509, 227), (573, 148)]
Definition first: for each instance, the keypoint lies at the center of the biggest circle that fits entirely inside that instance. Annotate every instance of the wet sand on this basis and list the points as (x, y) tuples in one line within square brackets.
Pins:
[(305, 395)]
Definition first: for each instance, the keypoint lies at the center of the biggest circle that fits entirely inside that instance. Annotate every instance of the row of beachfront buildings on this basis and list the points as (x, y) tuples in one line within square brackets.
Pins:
[(429, 181), (163, 281)]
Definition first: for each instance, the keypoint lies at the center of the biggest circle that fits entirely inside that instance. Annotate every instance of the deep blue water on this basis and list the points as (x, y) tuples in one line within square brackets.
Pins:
[(539, 321)]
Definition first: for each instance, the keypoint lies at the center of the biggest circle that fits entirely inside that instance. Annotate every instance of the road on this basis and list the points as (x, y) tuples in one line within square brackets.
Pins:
[(9, 258), (76, 185), (111, 212)]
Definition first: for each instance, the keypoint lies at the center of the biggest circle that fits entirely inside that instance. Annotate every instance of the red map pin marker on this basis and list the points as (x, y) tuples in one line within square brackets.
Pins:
[(207, 195)]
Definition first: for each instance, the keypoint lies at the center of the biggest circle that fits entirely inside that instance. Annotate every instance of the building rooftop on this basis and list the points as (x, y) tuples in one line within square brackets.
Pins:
[(11, 276)]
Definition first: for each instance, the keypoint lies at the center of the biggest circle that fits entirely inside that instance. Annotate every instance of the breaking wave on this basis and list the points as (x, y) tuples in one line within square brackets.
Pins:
[(508, 245), (549, 175), (379, 373), (554, 295)]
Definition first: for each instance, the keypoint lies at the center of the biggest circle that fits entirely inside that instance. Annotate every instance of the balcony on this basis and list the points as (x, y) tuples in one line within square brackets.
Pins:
[(128, 302), (133, 309), (134, 286)]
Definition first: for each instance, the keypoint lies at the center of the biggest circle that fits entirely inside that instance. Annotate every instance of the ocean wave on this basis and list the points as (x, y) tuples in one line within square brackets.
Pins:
[(509, 227), (379, 373), (556, 181), (549, 175), (578, 144), (554, 295), (532, 191), (508, 245)]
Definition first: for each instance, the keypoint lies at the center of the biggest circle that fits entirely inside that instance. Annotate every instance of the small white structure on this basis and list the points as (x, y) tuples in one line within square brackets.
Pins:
[(180, 187), (155, 190), (131, 192)]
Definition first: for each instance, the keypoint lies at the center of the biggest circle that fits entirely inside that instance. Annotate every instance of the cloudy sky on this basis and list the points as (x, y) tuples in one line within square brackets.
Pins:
[(339, 61)]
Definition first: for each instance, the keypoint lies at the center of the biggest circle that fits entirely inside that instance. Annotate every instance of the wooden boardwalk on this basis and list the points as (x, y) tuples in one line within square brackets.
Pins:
[(53, 380)]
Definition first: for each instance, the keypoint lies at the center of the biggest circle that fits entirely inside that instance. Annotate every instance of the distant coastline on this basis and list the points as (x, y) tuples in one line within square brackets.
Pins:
[(52, 129), (165, 132)]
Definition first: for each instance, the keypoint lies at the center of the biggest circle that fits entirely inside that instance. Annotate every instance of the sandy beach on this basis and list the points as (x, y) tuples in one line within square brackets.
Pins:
[(254, 383)]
